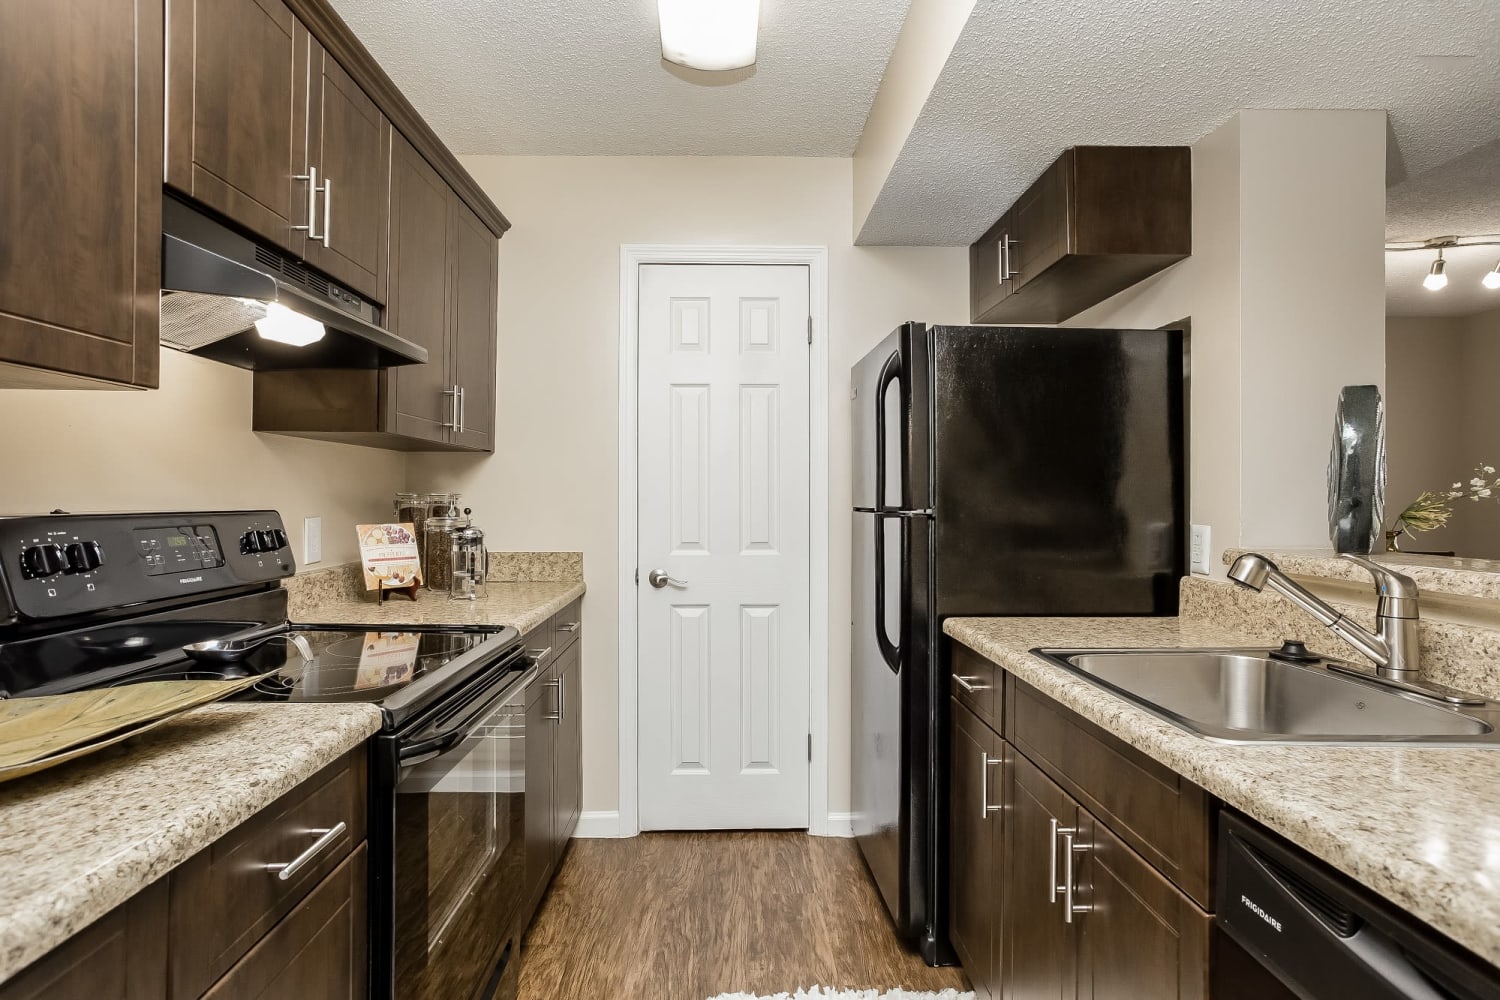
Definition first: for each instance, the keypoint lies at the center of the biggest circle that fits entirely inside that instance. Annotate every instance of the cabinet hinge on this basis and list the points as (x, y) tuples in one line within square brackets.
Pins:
[(637, 576), (809, 748), (809, 329)]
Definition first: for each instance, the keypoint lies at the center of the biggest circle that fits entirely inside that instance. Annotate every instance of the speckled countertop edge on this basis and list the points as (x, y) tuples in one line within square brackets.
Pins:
[(523, 605), (1421, 827), (82, 838)]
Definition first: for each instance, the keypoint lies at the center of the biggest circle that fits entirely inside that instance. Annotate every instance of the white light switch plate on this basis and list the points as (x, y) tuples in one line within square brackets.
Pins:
[(312, 540), (1202, 545)]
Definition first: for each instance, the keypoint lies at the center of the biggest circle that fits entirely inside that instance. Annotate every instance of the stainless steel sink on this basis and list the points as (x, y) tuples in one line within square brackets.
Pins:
[(1245, 696)]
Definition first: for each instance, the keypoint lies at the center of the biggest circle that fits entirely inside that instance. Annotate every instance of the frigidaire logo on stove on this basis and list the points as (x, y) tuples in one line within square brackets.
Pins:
[(199, 579), (1250, 905)]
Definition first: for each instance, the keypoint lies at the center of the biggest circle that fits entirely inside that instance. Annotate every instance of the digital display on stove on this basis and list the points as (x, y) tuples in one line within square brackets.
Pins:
[(181, 548), (176, 541)]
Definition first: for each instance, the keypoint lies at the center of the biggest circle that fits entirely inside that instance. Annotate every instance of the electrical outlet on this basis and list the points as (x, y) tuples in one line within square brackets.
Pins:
[(312, 540), (1202, 545)]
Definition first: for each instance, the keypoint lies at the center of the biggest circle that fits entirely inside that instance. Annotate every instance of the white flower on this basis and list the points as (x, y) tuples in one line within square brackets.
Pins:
[(1481, 493), (1477, 483), (1489, 470), (1458, 486)]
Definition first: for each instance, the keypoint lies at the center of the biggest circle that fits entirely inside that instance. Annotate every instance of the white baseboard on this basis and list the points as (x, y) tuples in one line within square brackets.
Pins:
[(840, 825), (598, 826)]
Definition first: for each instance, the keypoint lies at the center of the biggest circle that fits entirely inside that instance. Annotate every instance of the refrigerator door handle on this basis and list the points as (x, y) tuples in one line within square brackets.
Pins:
[(893, 652), (889, 372)]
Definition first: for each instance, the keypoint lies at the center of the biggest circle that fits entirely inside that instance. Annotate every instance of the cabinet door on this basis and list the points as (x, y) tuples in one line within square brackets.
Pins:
[(318, 952), (989, 265), (567, 761), (1141, 936), (350, 145), (418, 397), (541, 706), (1040, 946), (976, 800), (237, 112), (120, 956), (1040, 223), (475, 298), (80, 192)]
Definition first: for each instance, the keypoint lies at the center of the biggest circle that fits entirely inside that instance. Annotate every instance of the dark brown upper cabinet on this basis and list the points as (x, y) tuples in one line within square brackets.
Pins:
[(80, 193), (237, 113), (349, 153), (1098, 220), (442, 294)]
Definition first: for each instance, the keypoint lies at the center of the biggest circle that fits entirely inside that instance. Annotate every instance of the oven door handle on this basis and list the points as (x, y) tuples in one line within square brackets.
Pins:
[(417, 753)]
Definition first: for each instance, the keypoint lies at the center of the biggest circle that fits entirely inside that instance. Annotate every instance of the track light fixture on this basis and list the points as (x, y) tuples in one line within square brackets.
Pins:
[(1436, 279)]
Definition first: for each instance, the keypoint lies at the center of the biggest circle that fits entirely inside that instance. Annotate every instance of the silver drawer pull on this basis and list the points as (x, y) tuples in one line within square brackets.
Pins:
[(538, 655), (301, 861), (1072, 848), (967, 683), (568, 626)]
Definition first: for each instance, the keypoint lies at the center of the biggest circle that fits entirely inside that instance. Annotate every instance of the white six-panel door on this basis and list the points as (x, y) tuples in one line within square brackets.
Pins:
[(723, 510)]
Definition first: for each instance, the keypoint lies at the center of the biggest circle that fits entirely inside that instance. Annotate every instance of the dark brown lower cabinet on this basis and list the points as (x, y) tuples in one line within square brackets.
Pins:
[(1086, 917), (567, 749), (121, 956), (540, 807), (977, 876), (317, 952)]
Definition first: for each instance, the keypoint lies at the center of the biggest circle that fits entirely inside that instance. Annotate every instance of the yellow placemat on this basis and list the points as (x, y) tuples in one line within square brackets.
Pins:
[(39, 732)]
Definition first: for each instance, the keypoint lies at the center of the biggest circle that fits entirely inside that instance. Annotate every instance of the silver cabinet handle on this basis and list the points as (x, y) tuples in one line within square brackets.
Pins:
[(1052, 862), (1010, 272), (562, 698), (327, 206), (539, 655), (291, 868), (985, 763), (463, 408), (1071, 848), (312, 205), (452, 394), (555, 683), (989, 762), (967, 683), (658, 578), (568, 626)]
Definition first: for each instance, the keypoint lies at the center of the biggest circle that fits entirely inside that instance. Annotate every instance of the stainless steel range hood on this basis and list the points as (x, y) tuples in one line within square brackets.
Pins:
[(217, 283)]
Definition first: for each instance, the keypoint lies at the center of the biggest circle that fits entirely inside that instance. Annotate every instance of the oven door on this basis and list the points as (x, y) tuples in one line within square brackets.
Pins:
[(458, 855)]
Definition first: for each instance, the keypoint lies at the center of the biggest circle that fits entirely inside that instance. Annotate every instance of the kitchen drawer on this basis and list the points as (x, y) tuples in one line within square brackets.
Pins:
[(224, 899), (541, 642), (568, 625), (317, 953), (978, 685), (1159, 813)]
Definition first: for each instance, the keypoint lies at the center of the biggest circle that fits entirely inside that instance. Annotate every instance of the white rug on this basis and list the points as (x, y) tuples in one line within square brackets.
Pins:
[(819, 993)]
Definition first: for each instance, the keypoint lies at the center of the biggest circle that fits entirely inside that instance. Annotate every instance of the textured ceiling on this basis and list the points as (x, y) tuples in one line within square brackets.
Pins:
[(1457, 198), (1027, 80), (585, 77)]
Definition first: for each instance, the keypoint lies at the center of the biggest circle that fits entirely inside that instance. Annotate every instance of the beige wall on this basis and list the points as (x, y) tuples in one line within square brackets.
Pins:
[(1278, 326), (1440, 424), (186, 446), (552, 481)]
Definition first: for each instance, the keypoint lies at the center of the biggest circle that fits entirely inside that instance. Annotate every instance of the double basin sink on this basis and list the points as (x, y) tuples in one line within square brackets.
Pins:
[(1247, 696)]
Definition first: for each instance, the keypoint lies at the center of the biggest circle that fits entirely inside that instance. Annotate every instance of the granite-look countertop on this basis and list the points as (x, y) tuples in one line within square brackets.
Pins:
[(524, 605), (1448, 575), (80, 839), (1419, 826)]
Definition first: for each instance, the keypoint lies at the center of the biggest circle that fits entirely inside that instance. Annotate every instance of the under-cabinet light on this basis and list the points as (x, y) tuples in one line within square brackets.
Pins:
[(287, 327)]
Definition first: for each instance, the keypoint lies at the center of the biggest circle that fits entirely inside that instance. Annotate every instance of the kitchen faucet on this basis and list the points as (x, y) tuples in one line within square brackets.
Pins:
[(1394, 649)]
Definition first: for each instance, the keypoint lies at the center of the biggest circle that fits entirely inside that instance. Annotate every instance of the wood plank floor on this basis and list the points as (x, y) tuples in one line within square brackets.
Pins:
[(686, 916)]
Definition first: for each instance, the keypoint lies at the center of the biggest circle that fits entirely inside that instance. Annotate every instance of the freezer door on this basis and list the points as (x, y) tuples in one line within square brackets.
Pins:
[(891, 468)]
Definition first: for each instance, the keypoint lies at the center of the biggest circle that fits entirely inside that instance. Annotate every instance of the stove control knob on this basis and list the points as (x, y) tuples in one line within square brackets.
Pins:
[(280, 538), (84, 556), (43, 560), (250, 542), (266, 541)]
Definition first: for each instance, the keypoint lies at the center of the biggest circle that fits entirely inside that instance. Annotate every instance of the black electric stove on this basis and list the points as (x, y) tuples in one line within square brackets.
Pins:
[(99, 600)]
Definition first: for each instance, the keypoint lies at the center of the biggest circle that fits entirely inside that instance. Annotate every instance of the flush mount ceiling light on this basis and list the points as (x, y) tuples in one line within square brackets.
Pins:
[(713, 35), (287, 327), (1436, 280)]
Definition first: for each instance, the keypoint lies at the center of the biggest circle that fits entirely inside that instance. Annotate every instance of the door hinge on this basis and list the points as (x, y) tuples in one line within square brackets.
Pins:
[(809, 748), (809, 329), (637, 576)]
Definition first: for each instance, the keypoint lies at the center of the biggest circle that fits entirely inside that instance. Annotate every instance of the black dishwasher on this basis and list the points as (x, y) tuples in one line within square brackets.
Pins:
[(1290, 926)]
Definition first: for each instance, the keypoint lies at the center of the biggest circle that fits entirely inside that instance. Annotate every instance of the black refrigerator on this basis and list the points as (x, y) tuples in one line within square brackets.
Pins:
[(997, 471)]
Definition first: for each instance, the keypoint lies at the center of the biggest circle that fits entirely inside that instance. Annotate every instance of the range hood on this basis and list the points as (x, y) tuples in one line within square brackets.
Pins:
[(216, 284)]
